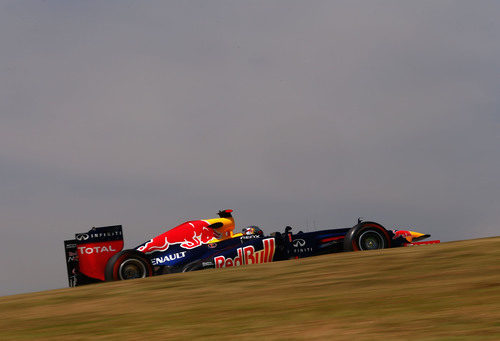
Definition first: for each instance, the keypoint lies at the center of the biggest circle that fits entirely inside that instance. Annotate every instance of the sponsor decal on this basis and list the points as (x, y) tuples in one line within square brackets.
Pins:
[(95, 249), (72, 281), (248, 255), (252, 236), (71, 261), (92, 257), (398, 233), (168, 258), (302, 249), (189, 235), (402, 234), (82, 236), (299, 243), (100, 234), (298, 246), (72, 256), (105, 234), (212, 245)]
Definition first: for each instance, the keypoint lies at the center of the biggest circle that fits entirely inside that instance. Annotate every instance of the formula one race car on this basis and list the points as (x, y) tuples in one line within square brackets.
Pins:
[(98, 254)]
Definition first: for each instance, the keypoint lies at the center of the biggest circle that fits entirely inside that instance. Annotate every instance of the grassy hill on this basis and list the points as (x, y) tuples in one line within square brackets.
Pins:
[(449, 291)]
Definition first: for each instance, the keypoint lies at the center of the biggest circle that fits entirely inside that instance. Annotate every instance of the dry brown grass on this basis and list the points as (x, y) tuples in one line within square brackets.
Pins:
[(440, 292)]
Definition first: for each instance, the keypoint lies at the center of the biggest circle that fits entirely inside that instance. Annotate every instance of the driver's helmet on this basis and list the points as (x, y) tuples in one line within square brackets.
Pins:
[(252, 231)]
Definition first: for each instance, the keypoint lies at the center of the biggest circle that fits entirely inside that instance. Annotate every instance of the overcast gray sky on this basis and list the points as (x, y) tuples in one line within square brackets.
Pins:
[(307, 113)]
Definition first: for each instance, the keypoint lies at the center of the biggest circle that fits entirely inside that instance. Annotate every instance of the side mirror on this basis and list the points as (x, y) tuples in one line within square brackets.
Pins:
[(225, 213)]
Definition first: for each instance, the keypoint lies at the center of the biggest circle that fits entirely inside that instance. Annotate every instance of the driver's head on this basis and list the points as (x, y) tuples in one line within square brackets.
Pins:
[(252, 231)]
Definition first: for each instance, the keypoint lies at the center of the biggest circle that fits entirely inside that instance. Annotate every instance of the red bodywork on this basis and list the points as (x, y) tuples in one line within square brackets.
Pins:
[(92, 257), (189, 235)]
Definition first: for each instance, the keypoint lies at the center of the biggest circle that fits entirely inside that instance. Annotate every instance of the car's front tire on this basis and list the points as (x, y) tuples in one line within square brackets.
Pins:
[(367, 236)]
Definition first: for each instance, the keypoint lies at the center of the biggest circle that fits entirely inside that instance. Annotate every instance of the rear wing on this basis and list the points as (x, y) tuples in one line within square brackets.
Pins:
[(71, 261), (88, 253)]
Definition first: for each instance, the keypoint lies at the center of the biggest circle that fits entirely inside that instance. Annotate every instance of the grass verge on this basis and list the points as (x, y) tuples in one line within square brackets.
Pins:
[(449, 291)]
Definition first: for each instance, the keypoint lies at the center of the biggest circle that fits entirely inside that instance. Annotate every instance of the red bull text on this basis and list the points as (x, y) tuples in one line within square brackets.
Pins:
[(248, 255)]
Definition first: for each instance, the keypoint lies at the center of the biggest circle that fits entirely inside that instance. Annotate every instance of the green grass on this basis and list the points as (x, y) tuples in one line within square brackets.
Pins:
[(449, 291)]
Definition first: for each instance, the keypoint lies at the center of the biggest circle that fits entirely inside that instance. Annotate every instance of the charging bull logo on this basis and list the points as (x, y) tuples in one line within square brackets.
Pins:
[(248, 255), (402, 234), (189, 235)]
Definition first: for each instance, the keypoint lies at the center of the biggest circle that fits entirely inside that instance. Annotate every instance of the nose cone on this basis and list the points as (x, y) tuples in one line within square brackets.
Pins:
[(417, 236), (410, 236)]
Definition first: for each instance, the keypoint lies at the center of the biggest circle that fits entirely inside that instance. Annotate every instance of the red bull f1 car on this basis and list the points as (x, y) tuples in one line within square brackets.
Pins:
[(98, 255)]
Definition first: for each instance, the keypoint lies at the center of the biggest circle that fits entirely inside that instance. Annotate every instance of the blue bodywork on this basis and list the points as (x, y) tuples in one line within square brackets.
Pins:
[(285, 246)]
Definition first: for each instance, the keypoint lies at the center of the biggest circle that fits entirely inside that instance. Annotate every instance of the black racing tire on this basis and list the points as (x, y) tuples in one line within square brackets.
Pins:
[(367, 236), (193, 266), (165, 270), (128, 264)]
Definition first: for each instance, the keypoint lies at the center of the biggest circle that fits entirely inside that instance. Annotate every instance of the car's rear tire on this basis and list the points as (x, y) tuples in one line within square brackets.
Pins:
[(367, 236), (128, 264)]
